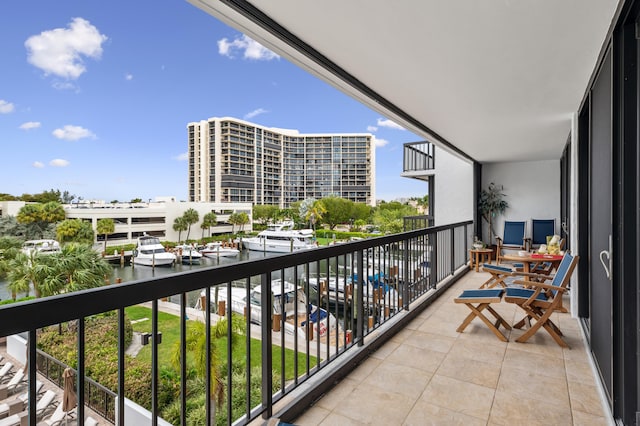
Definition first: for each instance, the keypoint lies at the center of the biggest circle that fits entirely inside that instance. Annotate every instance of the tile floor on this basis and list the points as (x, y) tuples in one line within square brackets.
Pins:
[(431, 374)]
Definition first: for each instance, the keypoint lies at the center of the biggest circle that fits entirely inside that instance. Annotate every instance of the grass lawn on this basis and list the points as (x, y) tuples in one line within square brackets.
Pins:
[(169, 325)]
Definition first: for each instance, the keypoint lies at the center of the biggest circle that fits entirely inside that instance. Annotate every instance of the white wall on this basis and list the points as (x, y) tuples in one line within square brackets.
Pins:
[(453, 197), (532, 190)]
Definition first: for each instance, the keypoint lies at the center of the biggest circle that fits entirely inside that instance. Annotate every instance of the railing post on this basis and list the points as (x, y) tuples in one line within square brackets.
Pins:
[(154, 362), (434, 261), (80, 377), (453, 250), (121, 366), (267, 358), (407, 275), (360, 298)]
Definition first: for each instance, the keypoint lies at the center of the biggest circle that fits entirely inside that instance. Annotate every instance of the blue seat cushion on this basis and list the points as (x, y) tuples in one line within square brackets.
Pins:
[(477, 294), (497, 268), (524, 293)]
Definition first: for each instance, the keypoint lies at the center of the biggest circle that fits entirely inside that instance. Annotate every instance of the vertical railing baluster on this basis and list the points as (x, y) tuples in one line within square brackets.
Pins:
[(31, 360), (121, 366), (81, 375), (267, 356), (360, 298), (247, 319), (207, 334), (154, 362), (229, 354), (183, 358)]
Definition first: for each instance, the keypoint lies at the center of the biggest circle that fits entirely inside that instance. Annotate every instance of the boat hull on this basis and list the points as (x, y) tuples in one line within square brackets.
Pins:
[(155, 261), (258, 244)]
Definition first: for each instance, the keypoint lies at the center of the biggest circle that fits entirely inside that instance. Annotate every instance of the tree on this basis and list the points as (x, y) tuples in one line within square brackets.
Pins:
[(37, 217), (209, 220), (389, 217), (361, 211), (492, 204), (190, 216), (337, 210), (234, 220), (105, 227), (264, 213), (75, 230), (314, 214), (196, 342), (76, 267), (135, 200), (179, 225)]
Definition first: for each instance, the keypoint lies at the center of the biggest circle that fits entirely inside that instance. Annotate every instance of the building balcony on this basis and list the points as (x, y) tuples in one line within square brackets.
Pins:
[(394, 354)]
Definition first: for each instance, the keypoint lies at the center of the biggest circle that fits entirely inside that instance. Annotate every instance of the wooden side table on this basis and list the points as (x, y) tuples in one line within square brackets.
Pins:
[(477, 256)]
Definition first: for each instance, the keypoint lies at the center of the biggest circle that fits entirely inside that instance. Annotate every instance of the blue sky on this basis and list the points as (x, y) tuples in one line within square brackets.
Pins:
[(95, 97)]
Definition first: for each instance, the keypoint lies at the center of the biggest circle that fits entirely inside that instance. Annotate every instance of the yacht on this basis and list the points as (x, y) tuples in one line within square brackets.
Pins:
[(41, 247), (188, 254), (293, 300), (149, 252), (281, 238), (216, 249)]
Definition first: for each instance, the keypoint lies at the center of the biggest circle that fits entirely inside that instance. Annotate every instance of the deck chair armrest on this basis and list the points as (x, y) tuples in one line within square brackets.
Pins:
[(533, 275), (542, 286)]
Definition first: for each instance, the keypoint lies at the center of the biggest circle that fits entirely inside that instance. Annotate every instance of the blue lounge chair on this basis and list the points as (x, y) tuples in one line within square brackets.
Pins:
[(540, 300), (514, 238), (540, 230)]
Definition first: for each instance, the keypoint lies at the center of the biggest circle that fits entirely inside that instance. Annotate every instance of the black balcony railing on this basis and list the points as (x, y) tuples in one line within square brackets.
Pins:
[(418, 156), (344, 293)]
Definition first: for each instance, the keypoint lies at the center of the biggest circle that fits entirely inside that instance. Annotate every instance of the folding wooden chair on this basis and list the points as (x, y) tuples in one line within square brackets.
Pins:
[(498, 275), (540, 300), (478, 301)]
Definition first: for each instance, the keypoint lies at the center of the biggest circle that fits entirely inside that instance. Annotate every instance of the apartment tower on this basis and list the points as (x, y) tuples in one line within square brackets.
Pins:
[(232, 160)]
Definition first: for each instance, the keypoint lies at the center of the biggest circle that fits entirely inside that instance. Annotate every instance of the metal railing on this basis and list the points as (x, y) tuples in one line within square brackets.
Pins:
[(418, 156), (97, 397), (323, 306)]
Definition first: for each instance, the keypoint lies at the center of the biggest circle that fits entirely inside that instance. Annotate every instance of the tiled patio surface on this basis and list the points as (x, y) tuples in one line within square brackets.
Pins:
[(431, 374)]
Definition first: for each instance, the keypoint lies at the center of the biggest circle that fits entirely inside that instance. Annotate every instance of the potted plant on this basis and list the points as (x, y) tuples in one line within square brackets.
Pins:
[(492, 204)]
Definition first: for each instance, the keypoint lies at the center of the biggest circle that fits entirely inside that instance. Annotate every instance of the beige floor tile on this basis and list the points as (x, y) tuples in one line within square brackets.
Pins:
[(400, 379), (418, 358), (340, 392), (364, 369), (386, 350), (510, 409), (585, 419), (371, 405), (425, 414), (491, 350), (313, 416), (456, 395), (402, 335), (442, 325), (579, 371), (585, 398), (540, 343), (432, 341), (479, 332), (470, 370), (334, 419), (530, 384), (524, 360)]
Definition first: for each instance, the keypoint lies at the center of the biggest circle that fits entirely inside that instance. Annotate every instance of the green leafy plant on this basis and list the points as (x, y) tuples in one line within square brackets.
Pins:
[(492, 204)]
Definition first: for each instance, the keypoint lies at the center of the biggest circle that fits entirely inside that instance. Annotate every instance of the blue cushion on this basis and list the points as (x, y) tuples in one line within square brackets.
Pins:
[(524, 293), (476, 294), (497, 268)]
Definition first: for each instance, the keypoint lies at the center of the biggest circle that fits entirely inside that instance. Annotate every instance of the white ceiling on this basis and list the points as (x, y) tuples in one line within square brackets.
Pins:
[(498, 79)]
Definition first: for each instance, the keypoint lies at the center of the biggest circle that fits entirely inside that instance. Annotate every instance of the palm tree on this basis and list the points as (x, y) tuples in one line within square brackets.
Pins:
[(314, 214), (190, 216), (196, 341), (210, 219), (105, 226), (179, 225), (242, 220)]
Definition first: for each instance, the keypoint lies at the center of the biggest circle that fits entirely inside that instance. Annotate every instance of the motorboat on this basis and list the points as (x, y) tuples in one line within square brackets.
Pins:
[(286, 303), (41, 247), (188, 254), (216, 249), (281, 238), (149, 252)]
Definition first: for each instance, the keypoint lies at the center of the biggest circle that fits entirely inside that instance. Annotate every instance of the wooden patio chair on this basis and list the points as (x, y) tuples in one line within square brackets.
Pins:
[(540, 230), (540, 300), (478, 301), (514, 238), (500, 275)]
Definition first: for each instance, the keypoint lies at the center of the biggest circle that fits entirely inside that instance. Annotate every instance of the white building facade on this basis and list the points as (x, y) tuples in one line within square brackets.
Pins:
[(232, 160)]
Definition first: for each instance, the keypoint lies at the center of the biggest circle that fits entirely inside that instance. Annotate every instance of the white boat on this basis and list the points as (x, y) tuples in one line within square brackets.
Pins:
[(216, 249), (149, 252), (281, 238), (41, 247), (188, 254), (321, 322)]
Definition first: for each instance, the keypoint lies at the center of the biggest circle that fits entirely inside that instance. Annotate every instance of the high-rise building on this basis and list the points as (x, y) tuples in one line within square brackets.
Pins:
[(232, 160)]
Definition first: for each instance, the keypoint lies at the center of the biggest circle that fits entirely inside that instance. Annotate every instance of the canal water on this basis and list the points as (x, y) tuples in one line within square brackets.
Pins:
[(129, 273)]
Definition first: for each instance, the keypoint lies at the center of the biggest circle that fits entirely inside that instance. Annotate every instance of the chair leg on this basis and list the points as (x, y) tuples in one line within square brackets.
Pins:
[(477, 312), (545, 322)]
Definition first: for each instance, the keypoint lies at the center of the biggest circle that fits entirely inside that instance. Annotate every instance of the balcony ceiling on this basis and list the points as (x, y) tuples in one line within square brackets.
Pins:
[(498, 80)]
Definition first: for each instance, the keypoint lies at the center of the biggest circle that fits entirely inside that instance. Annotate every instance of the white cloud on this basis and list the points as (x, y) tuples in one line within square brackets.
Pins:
[(128, 76), (254, 113), (37, 164), (182, 157), (72, 133), (60, 51), (58, 162), (65, 85), (6, 107), (389, 124), (372, 129), (251, 48), (380, 142), (30, 125)]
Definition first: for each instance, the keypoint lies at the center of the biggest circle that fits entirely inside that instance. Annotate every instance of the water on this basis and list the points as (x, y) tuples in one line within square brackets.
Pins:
[(129, 273)]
